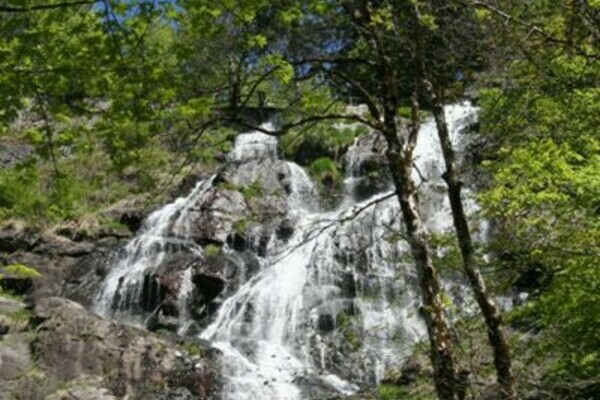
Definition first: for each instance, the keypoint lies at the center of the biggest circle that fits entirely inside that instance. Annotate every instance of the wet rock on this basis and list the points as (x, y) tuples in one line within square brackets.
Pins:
[(266, 209), (214, 273), (266, 176), (16, 236), (129, 212), (325, 323), (71, 343), (214, 219), (152, 293), (209, 286), (285, 230), (367, 164), (237, 241), (313, 387), (84, 276)]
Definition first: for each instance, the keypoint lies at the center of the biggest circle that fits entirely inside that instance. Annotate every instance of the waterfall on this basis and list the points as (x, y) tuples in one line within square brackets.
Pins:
[(333, 306), (129, 281)]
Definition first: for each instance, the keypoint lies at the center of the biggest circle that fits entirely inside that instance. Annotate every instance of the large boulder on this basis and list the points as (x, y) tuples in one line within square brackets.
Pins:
[(130, 212), (215, 217), (15, 236), (73, 345)]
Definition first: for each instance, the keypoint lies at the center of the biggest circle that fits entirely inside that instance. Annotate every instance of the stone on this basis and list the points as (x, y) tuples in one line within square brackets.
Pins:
[(16, 236), (83, 388), (13, 152), (15, 356), (368, 166), (72, 342), (130, 212), (285, 230), (325, 323), (214, 219)]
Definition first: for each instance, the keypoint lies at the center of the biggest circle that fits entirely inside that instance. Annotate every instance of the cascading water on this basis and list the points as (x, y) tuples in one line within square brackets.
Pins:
[(164, 230), (332, 307)]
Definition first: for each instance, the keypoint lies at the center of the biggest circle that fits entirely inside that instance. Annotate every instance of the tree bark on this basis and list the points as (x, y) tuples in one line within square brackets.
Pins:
[(440, 340), (433, 311), (399, 155), (491, 313)]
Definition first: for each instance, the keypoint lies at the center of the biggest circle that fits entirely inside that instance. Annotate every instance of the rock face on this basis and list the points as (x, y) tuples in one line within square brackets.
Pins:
[(66, 267), (82, 356), (12, 153), (367, 165)]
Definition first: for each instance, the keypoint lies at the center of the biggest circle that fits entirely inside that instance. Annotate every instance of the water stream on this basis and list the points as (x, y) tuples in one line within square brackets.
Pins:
[(333, 306)]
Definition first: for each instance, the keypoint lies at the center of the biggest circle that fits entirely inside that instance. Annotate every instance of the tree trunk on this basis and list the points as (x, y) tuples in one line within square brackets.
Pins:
[(433, 312), (491, 313), (234, 84), (400, 162)]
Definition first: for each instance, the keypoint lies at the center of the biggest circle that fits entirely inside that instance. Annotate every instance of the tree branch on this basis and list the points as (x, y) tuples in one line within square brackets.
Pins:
[(41, 7)]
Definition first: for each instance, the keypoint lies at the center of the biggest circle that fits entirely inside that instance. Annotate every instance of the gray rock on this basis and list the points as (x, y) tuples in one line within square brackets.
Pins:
[(214, 219), (367, 164), (130, 212), (12, 153), (83, 388), (15, 356), (268, 175), (71, 343), (16, 236)]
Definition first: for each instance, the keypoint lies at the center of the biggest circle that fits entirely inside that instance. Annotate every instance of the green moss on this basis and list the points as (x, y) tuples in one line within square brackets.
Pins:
[(406, 112), (227, 186), (353, 339), (345, 325), (22, 271), (240, 225), (391, 392), (21, 315), (325, 169), (212, 249), (193, 349), (252, 191), (343, 320)]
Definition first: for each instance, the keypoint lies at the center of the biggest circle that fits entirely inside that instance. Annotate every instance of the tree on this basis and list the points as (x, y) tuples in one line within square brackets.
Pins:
[(540, 116), (434, 77), (366, 62)]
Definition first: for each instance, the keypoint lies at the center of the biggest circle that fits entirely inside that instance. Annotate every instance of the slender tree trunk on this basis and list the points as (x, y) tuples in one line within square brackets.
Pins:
[(399, 155), (234, 84), (491, 313), (442, 357)]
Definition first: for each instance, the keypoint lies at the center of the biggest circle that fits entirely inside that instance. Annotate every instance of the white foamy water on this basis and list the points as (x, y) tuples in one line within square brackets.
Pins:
[(333, 305), (165, 228)]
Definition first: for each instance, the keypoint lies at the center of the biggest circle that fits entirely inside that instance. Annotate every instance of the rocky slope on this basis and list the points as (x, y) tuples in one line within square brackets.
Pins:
[(59, 350)]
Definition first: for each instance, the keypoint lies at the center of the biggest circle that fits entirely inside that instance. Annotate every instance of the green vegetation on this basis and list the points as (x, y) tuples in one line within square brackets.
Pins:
[(325, 170), (121, 98), (252, 191), (391, 392), (193, 349), (21, 271), (212, 250)]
